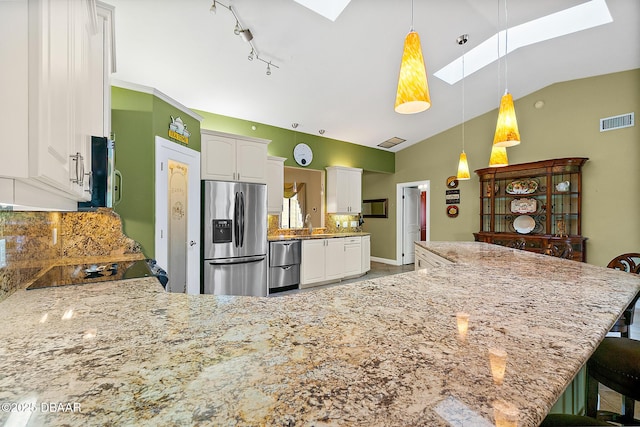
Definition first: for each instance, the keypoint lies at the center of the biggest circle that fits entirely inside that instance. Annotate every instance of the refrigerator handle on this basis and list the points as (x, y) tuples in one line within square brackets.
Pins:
[(236, 220), (241, 219), (234, 261)]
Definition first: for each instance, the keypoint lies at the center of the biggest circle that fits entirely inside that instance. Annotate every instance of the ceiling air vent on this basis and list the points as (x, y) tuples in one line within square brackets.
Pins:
[(391, 142), (617, 122)]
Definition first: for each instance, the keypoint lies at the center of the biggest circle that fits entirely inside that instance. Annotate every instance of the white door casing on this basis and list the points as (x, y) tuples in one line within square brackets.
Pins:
[(410, 223), (421, 186), (166, 150)]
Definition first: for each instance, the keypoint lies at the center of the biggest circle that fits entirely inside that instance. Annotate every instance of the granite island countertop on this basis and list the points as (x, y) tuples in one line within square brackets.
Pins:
[(382, 352)]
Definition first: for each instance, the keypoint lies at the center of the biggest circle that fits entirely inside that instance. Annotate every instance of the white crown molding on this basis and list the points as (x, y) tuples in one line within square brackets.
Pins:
[(155, 92)]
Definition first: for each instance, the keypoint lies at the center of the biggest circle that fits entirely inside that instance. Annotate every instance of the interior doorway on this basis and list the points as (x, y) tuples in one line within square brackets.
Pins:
[(177, 208), (412, 204)]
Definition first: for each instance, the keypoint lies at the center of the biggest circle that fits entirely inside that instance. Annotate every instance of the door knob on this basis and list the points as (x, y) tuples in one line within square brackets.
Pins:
[(192, 243)]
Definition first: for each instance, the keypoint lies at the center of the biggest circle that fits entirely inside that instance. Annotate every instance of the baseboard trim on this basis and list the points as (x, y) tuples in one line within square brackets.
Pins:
[(385, 261)]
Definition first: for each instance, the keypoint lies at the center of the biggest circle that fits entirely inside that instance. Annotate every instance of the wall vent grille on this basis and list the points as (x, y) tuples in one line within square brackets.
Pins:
[(617, 122)]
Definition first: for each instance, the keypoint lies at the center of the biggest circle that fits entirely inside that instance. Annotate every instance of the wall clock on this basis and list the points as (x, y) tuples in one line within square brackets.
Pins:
[(302, 154)]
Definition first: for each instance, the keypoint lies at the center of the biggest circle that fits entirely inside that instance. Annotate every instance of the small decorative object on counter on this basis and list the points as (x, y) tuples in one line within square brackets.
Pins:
[(561, 228)]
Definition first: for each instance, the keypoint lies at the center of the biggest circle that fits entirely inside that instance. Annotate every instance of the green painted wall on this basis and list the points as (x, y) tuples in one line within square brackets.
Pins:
[(566, 126), (136, 118), (326, 151)]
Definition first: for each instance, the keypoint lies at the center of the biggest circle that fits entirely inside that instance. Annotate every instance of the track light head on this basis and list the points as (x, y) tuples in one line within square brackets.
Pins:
[(462, 39), (212, 9), (269, 69), (250, 57), (246, 35), (236, 30)]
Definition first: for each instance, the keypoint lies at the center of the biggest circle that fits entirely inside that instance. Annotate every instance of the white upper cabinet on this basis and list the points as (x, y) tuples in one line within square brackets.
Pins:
[(344, 190), (226, 157), (275, 184), (57, 92)]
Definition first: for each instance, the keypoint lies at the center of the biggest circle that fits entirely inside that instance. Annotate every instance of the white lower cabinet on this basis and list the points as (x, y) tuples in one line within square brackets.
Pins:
[(330, 260), (366, 254), (322, 261), (352, 256), (334, 259), (426, 259), (312, 268)]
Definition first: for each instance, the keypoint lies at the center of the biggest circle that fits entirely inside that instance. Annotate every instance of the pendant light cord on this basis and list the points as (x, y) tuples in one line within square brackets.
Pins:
[(463, 79), (411, 30), (506, 47)]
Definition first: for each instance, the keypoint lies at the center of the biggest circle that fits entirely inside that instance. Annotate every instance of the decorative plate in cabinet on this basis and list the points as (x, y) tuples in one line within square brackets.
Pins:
[(522, 186), (524, 205)]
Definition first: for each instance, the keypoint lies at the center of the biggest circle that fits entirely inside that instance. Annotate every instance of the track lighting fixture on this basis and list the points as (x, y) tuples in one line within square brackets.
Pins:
[(321, 131), (246, 35)]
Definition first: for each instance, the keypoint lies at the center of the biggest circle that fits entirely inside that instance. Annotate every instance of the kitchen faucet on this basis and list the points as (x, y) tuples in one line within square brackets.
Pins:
[(307, 221)]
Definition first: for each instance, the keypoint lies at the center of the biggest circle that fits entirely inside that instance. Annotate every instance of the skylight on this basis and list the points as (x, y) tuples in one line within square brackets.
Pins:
[(587, 15), (330, 9)]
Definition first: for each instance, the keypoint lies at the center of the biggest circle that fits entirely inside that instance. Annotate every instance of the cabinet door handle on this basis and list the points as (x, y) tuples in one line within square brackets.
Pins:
[(90, 189), (81, 177)]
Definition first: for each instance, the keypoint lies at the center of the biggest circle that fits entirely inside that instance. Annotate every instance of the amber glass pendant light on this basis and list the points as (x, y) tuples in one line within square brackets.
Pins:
[(507, 134), (463, 165), (498, 157), (412, 95)]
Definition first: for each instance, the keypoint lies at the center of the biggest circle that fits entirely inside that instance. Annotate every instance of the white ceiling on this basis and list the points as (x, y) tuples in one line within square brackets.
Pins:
[(341, 76)]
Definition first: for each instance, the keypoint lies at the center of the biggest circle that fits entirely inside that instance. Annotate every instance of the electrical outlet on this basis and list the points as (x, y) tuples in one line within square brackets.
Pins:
[(337, 224), (345, 224), (3, 253), (354, 223)]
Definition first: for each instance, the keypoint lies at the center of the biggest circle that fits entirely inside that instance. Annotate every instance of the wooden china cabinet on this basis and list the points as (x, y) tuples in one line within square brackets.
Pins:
[(534, 206)]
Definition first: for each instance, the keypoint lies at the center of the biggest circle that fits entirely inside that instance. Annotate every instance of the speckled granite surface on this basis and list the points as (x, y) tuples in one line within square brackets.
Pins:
[(307, 236), (38, 240), (384, 352)]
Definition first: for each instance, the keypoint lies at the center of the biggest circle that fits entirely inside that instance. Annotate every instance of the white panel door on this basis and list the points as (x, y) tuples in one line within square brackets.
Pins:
[(173, 210), (410, 223)]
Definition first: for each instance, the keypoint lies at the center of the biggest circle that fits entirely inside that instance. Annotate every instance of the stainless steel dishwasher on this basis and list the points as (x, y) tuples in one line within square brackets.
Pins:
[(284, 265)]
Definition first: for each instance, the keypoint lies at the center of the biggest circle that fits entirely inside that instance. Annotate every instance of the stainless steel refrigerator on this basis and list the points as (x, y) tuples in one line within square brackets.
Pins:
[(235, 238)]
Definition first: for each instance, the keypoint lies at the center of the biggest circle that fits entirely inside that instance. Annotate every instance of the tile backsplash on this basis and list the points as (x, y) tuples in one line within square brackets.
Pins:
[(331, 222), (34, 240)]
